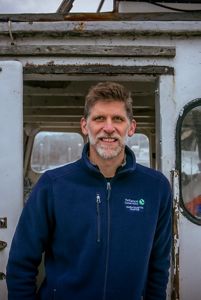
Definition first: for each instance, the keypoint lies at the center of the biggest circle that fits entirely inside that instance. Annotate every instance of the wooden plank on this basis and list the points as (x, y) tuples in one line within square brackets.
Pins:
[(76, 125), (71, 119), (56, 100), (54, 111), (80, 88), (77, 111), (65, 77), (97, 69), (114, 16), (106, 29), (35, 92), (52, 118), (86, 51), (64, 101), (60, 88)]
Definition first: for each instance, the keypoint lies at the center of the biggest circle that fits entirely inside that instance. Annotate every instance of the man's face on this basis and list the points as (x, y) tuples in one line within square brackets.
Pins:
[(107, 127)]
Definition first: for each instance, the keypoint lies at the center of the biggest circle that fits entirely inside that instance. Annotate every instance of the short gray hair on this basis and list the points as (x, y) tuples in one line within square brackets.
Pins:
[(108, 92)]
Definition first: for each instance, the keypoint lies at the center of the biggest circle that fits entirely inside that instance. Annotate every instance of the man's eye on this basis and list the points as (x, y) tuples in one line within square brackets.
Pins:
[(118, 119), (99, 118)]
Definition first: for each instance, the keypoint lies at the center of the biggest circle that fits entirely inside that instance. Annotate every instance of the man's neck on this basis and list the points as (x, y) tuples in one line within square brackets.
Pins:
[(107, 167)]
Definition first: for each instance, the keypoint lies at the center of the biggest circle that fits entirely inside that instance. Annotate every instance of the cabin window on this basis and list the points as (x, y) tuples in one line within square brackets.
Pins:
[(139, 144), (190, 165), (54, 149)]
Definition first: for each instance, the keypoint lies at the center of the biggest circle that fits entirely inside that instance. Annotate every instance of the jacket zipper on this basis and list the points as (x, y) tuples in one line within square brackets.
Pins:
[(108, 239), (54, 294), (98, 201)]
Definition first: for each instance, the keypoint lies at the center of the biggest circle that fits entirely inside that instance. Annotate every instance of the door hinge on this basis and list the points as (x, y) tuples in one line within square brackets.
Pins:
[(2, 276), (3, 222), (2, 245)]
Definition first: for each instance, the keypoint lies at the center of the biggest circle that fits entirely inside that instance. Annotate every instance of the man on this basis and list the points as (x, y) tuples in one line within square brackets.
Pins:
[(103, 222)]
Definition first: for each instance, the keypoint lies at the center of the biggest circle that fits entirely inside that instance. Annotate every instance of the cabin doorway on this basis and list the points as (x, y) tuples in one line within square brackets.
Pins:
[(53, 107)]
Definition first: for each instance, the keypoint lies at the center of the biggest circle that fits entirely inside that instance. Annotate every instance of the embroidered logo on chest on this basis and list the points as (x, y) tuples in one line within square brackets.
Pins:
[(135, 205)]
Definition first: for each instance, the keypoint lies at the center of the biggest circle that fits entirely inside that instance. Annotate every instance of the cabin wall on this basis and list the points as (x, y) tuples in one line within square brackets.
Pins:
[(100, 50), (11, 158)]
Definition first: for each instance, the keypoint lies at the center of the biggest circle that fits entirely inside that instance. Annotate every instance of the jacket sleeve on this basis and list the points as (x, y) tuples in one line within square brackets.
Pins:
[(158, 271), (29, 242)]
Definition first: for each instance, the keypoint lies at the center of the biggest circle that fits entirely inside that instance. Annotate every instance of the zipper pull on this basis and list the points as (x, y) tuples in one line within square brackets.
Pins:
[(108, 186), (98, 201), (108, 190)]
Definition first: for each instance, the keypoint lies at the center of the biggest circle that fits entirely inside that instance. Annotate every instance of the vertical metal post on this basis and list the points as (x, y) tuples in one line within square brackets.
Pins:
[(175, 250)]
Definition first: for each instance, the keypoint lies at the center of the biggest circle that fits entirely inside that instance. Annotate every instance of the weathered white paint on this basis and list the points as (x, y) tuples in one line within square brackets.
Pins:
[(176, 233), (184, 88), (83, 28), (167, 123), (190, 260), (11, 150), (188, 88)]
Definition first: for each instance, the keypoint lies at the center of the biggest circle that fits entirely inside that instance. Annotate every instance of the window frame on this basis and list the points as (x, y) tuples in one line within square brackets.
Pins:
[(186, 109), (50, 131)]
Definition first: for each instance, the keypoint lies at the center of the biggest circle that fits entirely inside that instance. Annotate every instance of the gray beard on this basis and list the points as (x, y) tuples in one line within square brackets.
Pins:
[(108, 154), (105, 153)]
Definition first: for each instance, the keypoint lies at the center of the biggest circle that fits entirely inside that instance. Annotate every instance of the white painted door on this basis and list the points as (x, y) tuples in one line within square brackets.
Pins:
[(189, 162), (11, 158), (165, 130), (175, 93)]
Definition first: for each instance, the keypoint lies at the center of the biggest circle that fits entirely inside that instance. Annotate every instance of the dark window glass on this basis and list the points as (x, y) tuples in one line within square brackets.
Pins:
[(191, 161)]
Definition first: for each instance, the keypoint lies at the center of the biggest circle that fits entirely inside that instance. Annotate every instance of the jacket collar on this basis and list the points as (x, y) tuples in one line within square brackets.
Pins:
[(128, 166)]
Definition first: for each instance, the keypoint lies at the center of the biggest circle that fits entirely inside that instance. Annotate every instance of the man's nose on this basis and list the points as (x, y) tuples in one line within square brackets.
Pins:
[(108, 126)]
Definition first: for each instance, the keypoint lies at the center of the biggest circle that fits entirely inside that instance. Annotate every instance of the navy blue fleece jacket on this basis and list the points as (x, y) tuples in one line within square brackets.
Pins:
[(103, 240)]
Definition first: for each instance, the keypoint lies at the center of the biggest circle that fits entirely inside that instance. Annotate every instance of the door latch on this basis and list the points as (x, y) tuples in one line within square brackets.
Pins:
[(2, 245), (2, 276)]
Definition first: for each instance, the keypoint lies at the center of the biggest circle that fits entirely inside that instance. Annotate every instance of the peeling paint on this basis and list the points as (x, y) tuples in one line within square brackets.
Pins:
[(176, 244), (80, 27)]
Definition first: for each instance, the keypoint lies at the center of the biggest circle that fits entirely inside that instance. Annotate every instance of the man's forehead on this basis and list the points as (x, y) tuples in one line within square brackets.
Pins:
[(105, 106)]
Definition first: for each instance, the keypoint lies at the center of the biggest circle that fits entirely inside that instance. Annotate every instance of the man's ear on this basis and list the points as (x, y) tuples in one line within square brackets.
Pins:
[(132, 128), (83, 124)]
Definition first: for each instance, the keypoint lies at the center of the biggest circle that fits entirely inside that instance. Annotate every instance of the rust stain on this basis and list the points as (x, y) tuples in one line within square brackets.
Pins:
[(50, 63), (80, 27), (110, 16)]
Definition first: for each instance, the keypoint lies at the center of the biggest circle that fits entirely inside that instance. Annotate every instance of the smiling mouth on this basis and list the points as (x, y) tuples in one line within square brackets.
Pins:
[(108, 140)]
